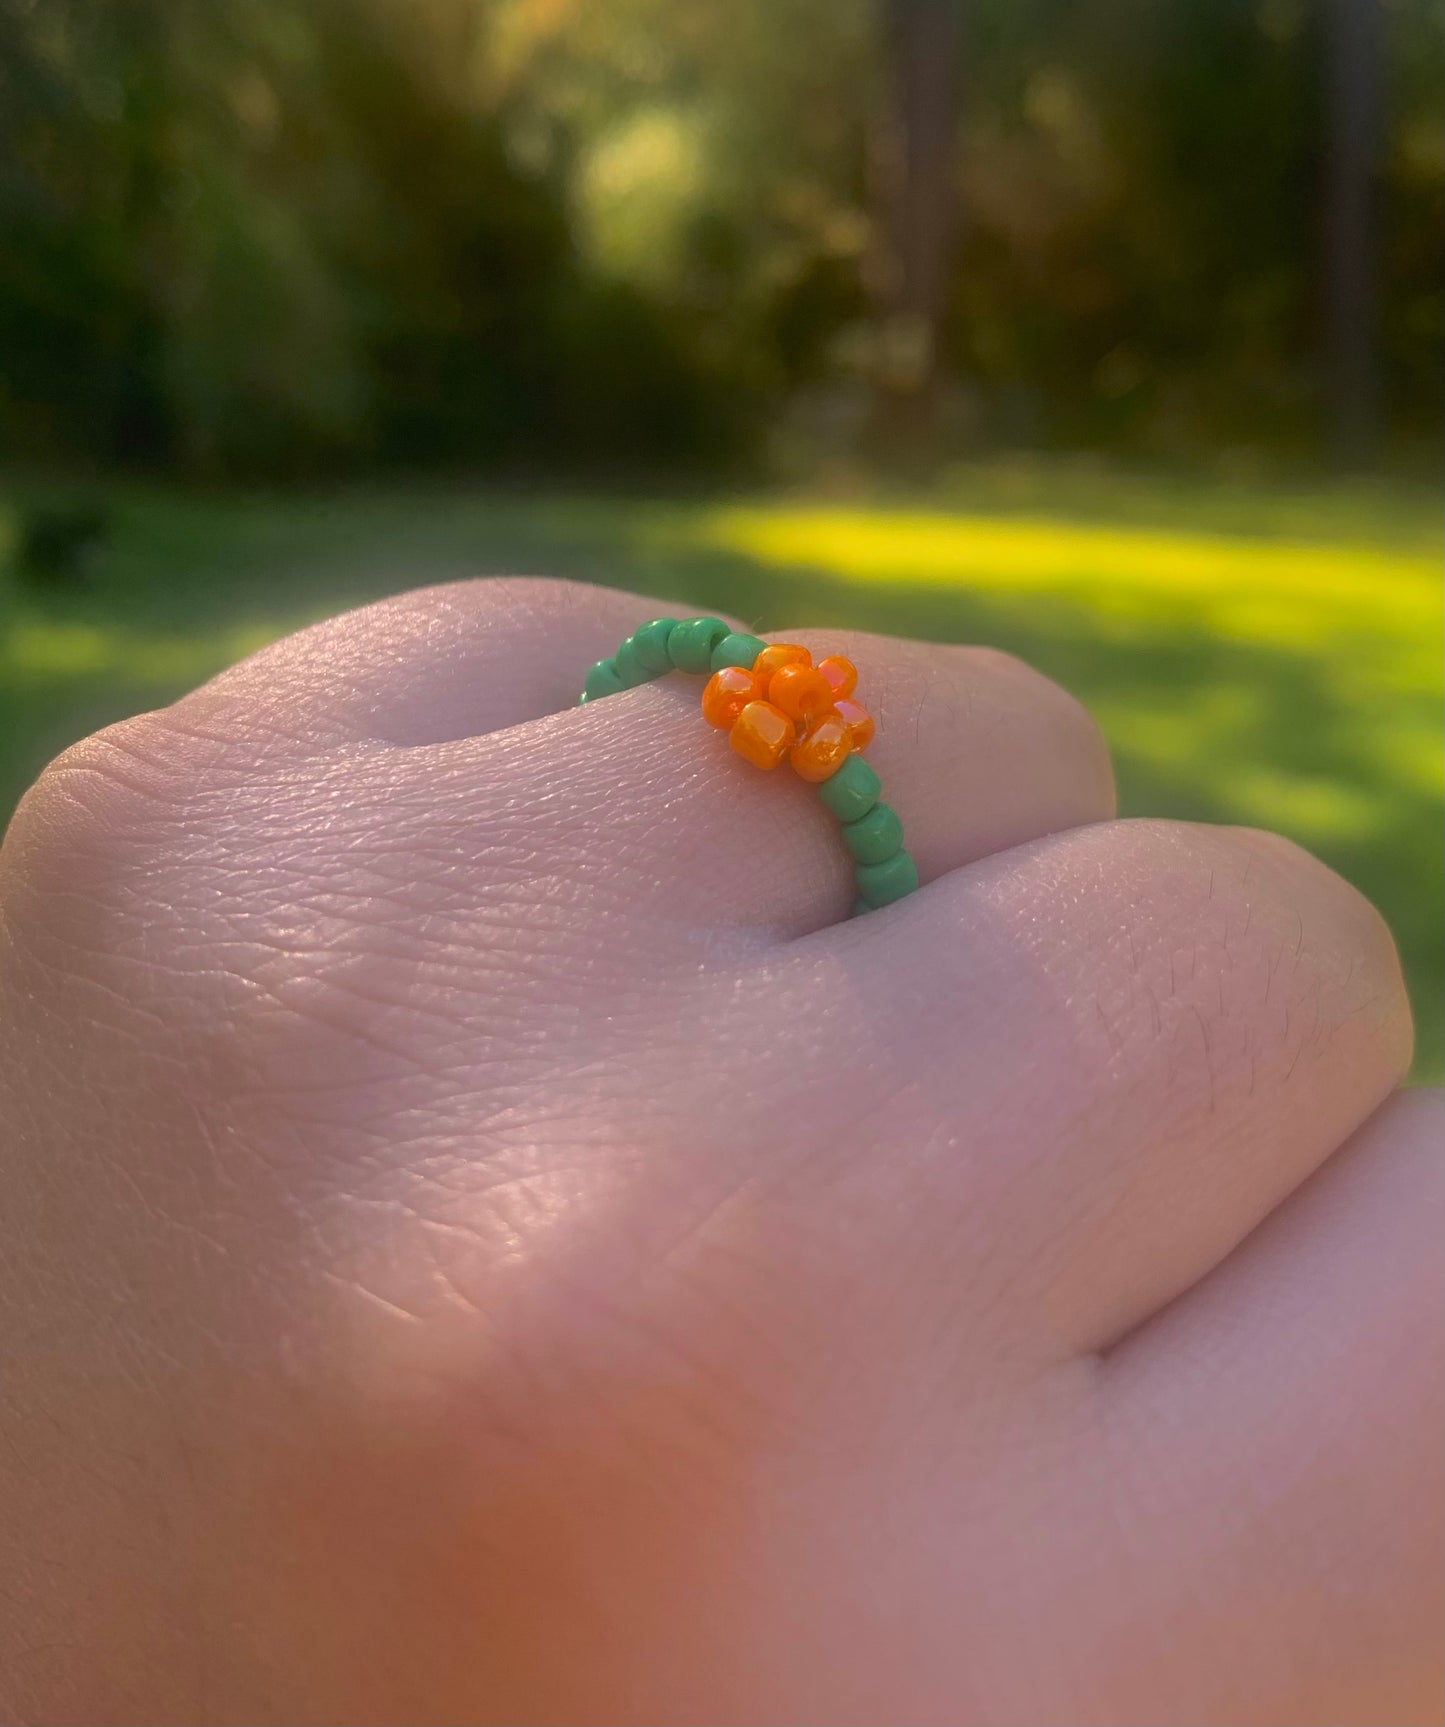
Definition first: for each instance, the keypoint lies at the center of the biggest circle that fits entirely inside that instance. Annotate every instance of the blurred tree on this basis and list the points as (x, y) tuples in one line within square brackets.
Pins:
[(1354, 73), (160, 298), (282, 236), (918, 197)]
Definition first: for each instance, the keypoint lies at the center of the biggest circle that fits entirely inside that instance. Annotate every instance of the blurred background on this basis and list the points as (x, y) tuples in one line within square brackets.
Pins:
[(1106, 331)]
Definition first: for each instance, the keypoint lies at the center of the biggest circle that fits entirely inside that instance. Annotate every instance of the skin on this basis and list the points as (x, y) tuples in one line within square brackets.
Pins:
[(486, 1239)]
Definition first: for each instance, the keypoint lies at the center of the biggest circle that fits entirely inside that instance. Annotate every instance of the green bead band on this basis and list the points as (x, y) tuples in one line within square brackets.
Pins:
[(882, 883), (650, 645), (852, 791), (874, 838), (602, 680), (691, 644), (736, 651), (870, 829), (630, 667)]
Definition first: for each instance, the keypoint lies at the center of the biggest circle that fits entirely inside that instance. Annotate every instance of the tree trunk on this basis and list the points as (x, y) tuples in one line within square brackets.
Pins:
[(916, 214), (1354, 67)]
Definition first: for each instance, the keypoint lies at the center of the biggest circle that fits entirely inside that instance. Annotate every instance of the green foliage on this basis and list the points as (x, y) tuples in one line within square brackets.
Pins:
[(256, 236), (1261, 657), (277, 236)]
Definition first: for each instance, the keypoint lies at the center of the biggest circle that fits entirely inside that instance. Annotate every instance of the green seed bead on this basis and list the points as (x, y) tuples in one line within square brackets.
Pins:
[(852, 791), (737, 650), (861, 908), (651, 644), (629, 665), (882, 883), (691, 643), (874, 838), (602, 680)]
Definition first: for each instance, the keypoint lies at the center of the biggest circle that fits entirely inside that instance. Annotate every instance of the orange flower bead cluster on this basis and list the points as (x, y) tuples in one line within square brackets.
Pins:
[(774, 702), (784, 705)]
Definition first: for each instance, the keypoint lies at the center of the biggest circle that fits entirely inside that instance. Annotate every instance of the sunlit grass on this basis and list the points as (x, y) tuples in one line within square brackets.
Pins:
[(1308, 596), (1253, 657), (1371, 617), (38, 651), (886, 546)]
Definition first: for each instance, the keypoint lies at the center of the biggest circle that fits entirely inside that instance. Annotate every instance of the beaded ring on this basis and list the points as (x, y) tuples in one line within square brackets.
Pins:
[(772, 701)]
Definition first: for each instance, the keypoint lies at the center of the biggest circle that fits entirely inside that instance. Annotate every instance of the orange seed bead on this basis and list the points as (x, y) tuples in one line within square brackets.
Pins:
[(842, 675), (727, 693), (777, 655), (762, 734), (859, 723), (800, 692), (823, 751)]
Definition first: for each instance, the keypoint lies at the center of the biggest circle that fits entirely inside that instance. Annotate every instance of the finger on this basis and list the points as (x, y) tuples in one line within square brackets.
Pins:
[(1299, 1386), (977, 751), (1119, 1050), (648, 815), (452, 661)]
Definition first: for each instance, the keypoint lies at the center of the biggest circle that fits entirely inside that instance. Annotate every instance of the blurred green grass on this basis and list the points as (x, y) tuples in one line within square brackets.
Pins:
[(1255, 654)]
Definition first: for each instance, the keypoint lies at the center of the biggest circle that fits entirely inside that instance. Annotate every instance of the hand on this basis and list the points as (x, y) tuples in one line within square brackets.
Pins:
[(486, 1239)]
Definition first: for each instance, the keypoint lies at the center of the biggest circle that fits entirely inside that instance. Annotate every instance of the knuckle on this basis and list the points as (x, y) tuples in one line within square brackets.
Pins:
[(515, 602), (432, 664), (1352, 920), (94, 792), (431, 619), (1007, 702), (1296, 944), (1063, 727), (114, 800)]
